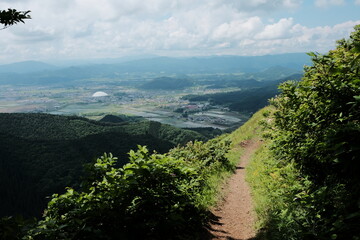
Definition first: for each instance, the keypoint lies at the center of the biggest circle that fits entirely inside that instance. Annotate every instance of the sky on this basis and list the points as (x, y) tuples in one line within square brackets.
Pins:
[(91, 29)]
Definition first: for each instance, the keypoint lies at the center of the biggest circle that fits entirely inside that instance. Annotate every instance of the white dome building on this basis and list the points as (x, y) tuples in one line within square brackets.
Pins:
[(100, 94)]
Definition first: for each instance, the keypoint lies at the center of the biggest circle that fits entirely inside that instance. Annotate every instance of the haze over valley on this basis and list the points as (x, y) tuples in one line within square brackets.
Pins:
[(159, 89)]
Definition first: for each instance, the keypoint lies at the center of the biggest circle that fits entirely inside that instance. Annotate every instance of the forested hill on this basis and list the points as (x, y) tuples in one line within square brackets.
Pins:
[(42, 153), (253, 96)]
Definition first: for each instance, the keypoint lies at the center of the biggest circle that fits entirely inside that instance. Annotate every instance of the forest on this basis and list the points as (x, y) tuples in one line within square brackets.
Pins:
[(253, 96), (42, 154)]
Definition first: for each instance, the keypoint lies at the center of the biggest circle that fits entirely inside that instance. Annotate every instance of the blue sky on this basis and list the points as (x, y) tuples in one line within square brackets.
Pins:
[(311, 15), (90, 29)]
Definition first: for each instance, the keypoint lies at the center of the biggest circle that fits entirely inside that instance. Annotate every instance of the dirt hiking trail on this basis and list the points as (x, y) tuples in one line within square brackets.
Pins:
[(234, 218)]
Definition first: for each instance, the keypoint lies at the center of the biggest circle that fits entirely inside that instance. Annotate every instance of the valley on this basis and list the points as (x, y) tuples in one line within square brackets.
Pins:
[(158, 106), (163, 90)]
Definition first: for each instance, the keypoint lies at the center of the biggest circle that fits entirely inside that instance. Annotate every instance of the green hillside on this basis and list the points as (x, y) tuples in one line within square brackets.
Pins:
[(248, 100), (305, 178), (253, 96), (41, 153), (154, 196)]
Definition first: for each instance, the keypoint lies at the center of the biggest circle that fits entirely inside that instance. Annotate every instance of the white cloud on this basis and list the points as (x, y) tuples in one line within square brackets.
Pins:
[(111, 28), (277, 30), (238, 29), (357, 2)]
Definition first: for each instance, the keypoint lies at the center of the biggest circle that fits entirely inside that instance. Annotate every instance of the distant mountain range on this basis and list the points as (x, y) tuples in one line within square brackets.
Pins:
[(39, 73), (219, 64), (26, 67)]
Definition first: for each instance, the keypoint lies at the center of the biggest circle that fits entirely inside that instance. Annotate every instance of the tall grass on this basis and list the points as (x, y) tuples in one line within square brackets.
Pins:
[(251, 130)]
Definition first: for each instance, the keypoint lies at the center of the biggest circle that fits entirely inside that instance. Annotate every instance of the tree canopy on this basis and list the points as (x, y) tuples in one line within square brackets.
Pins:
[(12, 16)]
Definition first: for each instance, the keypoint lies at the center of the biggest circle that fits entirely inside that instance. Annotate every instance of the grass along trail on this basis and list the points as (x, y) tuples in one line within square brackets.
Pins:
[(234, 218)]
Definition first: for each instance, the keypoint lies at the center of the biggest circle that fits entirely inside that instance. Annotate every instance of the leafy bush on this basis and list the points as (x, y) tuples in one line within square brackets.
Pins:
[(203, 155), (318, 128), (42, 153), (311, 175), (14, 228), (154, 196)]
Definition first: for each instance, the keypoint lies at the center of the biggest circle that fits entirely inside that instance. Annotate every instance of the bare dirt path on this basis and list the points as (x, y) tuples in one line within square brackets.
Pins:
[(234, 217)]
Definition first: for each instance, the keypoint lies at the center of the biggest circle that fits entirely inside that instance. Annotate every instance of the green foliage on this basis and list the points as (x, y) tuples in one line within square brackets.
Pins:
[(274, 187), (290, 206), (144, 198), (212, 161), (43, 153), (251, 129), (12, 16), (203, 154), (14, 228), (245, 100), (307, 182), (318, 118), (118, 118), (208, 132), (249, 99), (154, 196)]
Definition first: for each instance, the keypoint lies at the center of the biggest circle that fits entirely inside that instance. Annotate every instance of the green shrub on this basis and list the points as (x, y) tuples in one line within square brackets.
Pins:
[(317, 127), (14, 228), (310, 175), (154, 196)]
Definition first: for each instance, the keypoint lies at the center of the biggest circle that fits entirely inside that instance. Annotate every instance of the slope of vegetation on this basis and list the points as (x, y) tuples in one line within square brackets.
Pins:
[(306, 178), (112, 119), (249, 99), (154, 196), (41, 153)]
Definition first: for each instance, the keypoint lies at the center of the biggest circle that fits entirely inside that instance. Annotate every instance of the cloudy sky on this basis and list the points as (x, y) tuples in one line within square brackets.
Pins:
[(82, 29)]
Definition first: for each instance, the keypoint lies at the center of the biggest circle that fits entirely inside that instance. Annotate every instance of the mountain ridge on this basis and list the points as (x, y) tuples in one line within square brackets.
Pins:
[(165, 65), (26, 67)]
